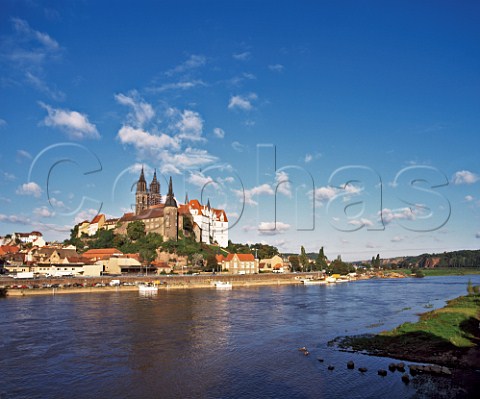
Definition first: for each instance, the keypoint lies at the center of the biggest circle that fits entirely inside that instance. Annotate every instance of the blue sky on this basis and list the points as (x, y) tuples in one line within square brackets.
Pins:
[(348, 125)]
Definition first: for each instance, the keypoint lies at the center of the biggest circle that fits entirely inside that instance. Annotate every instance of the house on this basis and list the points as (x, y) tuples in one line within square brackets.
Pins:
[(240, 264), (212, 223), (28, 238), (91, 228), (101, 253), (274, 265)]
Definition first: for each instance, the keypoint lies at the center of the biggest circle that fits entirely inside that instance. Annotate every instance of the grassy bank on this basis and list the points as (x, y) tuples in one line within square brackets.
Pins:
[(451, 271), (447, 336)]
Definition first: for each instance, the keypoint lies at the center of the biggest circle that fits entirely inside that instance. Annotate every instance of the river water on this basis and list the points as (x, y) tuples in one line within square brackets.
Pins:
[(202, 343)]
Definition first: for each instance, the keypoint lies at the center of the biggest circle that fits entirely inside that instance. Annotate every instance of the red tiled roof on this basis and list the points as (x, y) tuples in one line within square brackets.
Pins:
[(97, 218), (9, 249), (101, 252), (241, 257)]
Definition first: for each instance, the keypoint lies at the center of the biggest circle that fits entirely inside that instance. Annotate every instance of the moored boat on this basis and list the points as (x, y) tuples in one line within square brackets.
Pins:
[(308, 281), (331, 279), (223, 285), (147, 288)]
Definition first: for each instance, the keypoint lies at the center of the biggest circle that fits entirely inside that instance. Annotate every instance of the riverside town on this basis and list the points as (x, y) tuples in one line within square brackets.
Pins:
[(239, 199)]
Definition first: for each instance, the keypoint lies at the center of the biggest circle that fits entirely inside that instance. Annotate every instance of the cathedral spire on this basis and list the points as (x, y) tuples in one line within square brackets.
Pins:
[(186, 199), (170, 201)]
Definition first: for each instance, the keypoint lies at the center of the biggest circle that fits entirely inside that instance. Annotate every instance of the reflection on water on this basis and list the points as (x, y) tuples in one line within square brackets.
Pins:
[(209, 344)]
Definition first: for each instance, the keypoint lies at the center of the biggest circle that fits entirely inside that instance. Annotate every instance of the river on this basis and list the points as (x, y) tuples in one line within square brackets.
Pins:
[(202, 343)]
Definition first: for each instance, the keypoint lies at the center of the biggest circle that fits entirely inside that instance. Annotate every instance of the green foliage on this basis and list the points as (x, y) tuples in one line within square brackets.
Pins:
[(303, 258), (102, 239), (263, 251), (321, 261), (136, 230), (295, 262), (339, 267), (212, 262), (74, 240)]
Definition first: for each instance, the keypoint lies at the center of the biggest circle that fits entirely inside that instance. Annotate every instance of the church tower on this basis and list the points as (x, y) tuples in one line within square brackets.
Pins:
[(170, 215), (154, 197), (141, 195)]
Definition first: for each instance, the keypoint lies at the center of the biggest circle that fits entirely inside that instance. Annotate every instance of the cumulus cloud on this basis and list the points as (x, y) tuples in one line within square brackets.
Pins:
[(200, 180), (389, 215), (142, 111), (243, 103), (311, 157), (30, 188), (73, 123), (398, 238), (465, 177), (272, 228), (190, 158), (283, 185), (469, 198), (325, 193), (264, 189), (193, 62), (190, 126), (43, 212), (143, 140), (219, 133)]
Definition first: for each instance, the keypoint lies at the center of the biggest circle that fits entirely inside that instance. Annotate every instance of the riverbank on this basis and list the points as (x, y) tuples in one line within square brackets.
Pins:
[(79, 285), (449, 336)]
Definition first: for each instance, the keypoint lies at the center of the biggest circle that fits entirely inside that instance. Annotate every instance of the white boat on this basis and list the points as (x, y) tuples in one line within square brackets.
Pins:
[(308, 281), (223, 285), (342, 280), (147, 289), (331, 279)]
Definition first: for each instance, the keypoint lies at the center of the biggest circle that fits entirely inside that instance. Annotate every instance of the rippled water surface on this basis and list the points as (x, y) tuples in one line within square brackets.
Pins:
[(204, 343)]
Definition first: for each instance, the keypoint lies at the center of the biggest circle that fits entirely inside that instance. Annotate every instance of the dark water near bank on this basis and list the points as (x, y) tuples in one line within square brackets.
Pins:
[(204, 343)]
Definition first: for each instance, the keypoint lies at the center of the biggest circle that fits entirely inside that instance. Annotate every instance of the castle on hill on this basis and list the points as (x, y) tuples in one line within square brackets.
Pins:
[(206, 224)]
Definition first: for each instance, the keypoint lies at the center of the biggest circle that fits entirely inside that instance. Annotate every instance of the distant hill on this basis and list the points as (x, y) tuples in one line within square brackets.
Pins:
[(463, 258)]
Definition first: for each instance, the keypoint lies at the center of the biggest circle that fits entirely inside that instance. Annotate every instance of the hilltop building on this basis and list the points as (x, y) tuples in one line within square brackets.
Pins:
[(169, 218)]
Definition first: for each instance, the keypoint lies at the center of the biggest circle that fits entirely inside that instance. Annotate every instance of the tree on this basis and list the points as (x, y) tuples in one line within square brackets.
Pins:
[(295, 262), (339, 267), (303, 259), (197, 260), (321, 261), (212, 262), (136, 230)]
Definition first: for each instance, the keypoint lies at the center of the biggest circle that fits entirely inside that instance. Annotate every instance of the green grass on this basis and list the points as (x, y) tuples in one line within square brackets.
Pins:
[(451, 271), (444, 335), (450, 323)]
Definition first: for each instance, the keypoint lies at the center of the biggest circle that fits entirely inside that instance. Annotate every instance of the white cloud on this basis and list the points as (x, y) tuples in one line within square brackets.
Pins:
[(283, 185), (398, 238), (325, 193), (389, 215), (219, 133), (143, 140), (87, 214), (42, 86), (22, 154), (193, 62), (272, 228), (242, 102), (8, 176), (190, 126), (57, 203), (3, 122), (190, 158), (361, 222), (30, 188), (263, 189), (200, 180), (43, 212), (469, 198), (14, 219), (184, 85), (242, 56), (75, 124), (238, 147), (276, 67), (142, 111), (465, 177), (311, 157)]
